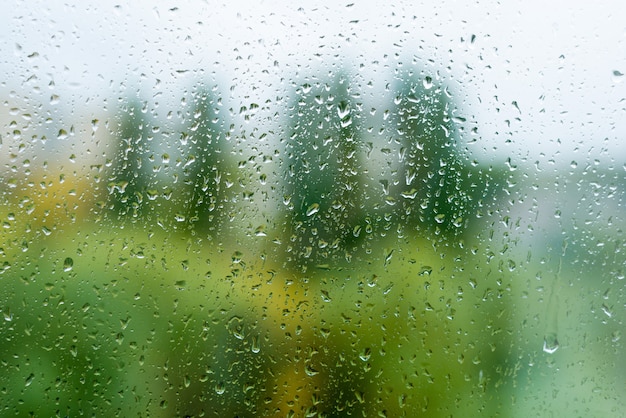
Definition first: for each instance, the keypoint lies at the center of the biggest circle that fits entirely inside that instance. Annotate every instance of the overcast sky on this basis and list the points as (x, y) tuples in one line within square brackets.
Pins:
[(540, 79)]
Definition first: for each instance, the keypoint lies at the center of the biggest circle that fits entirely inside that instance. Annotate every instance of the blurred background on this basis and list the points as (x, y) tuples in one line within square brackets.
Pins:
[(321, 210)]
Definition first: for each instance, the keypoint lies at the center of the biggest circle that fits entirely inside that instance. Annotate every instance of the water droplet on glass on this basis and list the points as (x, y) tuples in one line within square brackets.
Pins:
[(425, 271), (388, 255), (343, 109), (345, 122), (618, 76), (68, 264), (256, 346), (313, 209), (8, 315), (29, 379), (428, 82), (550, 343), (607, 311), (310, 371), (365, 354), (220, 388)]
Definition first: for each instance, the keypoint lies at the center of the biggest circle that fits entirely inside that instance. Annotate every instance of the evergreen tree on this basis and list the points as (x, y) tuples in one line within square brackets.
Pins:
[(130, 174), (437, 190), (322, 184), (206, 164)]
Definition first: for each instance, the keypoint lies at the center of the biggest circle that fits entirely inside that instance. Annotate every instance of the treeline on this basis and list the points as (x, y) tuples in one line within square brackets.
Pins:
[(342, 174)]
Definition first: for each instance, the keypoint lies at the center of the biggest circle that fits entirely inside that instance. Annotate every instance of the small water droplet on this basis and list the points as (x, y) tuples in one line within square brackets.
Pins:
[(152, 194), (388, 254), (310, 371), (428, 82), (8, 315), (260, 231), (550, 343), (313, 209), (68, 264), (220, 388), (345, 122), (256, 346), (607, 311), (343, 109), (236, 257), (618, 76), (425, 271), (616, 336), (29, 379)]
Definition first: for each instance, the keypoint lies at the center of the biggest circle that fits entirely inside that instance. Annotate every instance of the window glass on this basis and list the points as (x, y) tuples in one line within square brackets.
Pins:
[(317, 209)]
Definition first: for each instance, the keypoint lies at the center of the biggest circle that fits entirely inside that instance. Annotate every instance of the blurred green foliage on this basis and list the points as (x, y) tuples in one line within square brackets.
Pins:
[(207, 165), (323, 190), (438, 189), (391, 294), (131, 174)]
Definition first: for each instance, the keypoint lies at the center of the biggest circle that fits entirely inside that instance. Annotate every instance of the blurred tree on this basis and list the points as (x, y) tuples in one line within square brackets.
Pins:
[(130, 174), (437, 189), (322, 184), (206, 164)]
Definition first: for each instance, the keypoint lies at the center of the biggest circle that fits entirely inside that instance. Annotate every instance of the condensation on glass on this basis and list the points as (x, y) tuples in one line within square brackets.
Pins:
[(350, 209)]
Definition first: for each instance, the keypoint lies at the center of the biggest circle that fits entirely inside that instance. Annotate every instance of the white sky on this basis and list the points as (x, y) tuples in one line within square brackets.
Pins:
[(556, 59)]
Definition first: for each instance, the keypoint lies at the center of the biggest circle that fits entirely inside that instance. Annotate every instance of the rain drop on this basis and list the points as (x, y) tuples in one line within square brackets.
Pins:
[(68, 264), (550, 343), (313, 209)]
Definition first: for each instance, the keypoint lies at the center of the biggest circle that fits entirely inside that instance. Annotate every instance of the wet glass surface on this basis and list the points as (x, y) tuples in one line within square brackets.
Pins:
[(319, 210)]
